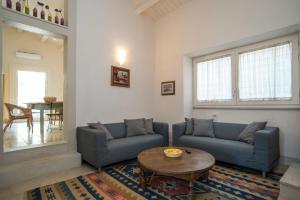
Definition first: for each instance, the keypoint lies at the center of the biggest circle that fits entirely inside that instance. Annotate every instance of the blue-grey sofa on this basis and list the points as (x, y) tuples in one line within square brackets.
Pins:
[(225, 147), (99, 152)]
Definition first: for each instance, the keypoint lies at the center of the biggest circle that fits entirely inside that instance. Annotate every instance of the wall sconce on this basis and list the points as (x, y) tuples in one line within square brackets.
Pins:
[(121, 56)]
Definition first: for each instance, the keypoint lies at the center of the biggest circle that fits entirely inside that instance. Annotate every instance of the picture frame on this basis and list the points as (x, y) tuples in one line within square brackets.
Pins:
[(168, 88), (120, 77)]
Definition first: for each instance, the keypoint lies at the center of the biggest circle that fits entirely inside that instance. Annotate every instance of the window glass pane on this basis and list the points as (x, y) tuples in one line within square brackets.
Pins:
[(29, 81), (266, 74), (214, 80)]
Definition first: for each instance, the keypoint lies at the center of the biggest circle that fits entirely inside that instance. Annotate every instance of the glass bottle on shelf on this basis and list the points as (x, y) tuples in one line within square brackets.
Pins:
[(56, 19), (62, 20), (27, 9), (42, 11), (8, 4), (49, 13), (35, 11), (18, 6)]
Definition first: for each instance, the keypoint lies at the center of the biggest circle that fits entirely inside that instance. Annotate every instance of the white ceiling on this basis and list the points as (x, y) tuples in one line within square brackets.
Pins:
[(157, 9)]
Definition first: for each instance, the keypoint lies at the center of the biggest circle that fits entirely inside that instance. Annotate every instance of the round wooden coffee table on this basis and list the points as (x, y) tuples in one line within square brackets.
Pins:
[(191, 166)]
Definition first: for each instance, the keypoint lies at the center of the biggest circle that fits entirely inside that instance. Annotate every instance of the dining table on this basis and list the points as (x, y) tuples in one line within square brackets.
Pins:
[(42, 106)]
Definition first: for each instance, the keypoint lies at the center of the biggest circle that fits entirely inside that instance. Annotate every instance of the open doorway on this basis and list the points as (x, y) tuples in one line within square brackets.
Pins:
[(33, 79)]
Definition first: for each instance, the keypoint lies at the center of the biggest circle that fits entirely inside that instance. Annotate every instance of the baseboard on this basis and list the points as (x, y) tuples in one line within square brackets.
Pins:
[(287, 160), (26, 170)]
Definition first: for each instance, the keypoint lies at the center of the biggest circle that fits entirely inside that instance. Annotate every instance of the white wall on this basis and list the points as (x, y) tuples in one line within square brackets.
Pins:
[(102, 27), (205, 24)]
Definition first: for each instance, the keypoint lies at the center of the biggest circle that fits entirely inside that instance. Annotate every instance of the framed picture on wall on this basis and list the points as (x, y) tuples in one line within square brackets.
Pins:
[(120, 77), (168, 88)]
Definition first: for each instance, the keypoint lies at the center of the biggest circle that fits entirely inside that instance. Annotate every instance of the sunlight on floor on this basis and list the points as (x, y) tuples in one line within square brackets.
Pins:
[(18, 136)]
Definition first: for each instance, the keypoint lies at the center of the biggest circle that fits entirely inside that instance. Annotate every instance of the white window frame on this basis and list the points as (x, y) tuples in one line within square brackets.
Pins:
[(252, 104), (227, 53)]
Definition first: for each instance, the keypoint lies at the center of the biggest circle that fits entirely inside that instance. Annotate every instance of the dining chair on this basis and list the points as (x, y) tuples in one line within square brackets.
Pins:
[(16, 112), (57, 115)]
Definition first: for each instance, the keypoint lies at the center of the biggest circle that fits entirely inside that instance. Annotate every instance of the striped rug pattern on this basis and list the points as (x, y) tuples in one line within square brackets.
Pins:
[(121, 182)]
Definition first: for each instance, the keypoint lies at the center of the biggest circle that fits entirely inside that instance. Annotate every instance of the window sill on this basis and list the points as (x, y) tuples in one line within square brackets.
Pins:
[(261, 107)]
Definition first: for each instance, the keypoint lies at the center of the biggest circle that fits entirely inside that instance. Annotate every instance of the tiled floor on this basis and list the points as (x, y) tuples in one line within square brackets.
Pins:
[(17, 192), (18, 136)]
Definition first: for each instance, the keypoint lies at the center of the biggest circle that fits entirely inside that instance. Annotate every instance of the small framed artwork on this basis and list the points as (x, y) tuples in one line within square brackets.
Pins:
[(120, 77), (168, 88)]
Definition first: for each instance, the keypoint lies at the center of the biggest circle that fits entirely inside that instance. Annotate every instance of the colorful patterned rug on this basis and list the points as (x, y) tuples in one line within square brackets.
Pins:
[(121, 182)]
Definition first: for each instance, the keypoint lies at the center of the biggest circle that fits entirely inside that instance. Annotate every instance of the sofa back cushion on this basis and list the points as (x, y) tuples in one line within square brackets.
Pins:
[(135, 127), (117, 130), (228, 131)]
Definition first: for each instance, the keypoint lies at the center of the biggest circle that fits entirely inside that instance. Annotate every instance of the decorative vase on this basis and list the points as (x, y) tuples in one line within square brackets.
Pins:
[(35, 12), (62, 20), (49, 13), (56, 19), (18, 6), (8, 4), (27, 9), (42, 11), (49, 17)]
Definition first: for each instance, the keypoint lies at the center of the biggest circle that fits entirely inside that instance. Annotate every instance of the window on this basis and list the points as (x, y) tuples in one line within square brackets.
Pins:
[(29, 81), (264, 74), (214, 80)]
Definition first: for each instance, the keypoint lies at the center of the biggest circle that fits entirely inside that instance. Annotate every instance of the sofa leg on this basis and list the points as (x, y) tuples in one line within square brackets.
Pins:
[(264, 174)]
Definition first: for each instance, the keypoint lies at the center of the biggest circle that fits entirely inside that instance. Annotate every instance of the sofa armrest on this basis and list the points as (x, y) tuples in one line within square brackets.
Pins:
[(91, 143), (162, 129), (178, 131), (266, 145)]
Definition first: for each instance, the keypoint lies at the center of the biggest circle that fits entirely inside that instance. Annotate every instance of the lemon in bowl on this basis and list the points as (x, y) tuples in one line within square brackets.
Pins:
[(173, 152)]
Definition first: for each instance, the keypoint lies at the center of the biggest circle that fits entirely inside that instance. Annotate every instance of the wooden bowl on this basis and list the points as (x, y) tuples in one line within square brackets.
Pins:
[(173, 152), (50, 99)]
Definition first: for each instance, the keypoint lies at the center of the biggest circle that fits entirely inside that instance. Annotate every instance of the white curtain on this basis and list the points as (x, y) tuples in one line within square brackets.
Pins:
[(214, 80), (266, 74)]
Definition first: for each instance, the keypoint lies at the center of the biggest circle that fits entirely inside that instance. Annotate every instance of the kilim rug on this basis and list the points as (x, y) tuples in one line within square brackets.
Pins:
[(121, 182)]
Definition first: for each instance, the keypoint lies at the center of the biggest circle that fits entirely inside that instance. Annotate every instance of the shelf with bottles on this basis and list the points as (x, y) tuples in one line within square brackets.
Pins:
[(47, 10)]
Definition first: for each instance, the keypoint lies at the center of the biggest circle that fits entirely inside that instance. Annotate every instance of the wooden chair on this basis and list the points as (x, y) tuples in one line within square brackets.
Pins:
[(24, 113), (57, 115)]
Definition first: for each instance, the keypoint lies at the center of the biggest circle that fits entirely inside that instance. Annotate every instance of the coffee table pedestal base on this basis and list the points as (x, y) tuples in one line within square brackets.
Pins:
[(191, 177)]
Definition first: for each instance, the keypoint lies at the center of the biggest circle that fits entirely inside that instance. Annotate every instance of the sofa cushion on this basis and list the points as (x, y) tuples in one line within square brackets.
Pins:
[(189, 126), (203, 127), (135, 127), (102, 128), (149, 126), (228, 131), (117, 130), (223, 150), (247, 135), (130, 147)]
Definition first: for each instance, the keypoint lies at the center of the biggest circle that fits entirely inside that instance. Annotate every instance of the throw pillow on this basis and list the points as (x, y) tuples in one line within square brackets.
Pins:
[(149, 126), (189, 126), (203, 127), (247, 135), (102, 128), (135, 127)]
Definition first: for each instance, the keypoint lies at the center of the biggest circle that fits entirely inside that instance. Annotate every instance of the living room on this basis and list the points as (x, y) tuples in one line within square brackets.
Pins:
[(161, 43)]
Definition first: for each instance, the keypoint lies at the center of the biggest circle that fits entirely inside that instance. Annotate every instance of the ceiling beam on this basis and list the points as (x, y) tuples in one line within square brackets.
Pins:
[(146, 5)]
